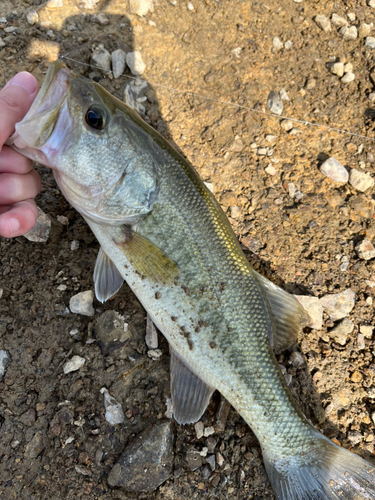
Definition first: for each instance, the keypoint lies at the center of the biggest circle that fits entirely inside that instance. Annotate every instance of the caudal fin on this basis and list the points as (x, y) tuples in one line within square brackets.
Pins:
[(323, 472)]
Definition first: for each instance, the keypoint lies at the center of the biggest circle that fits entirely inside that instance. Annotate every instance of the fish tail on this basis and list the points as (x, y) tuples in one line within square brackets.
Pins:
[(324, 471)]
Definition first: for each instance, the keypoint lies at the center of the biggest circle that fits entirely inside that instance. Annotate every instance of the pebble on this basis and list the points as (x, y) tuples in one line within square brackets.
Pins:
[(284, 95), (74, 364), (199, 429), (141, 7), (135, 63), (292, 189), (111, 332), (348, 68), (81, 469), (349, 33), (370, 42), (344, 263), (337, 68), (338, 21), (287, 125), (270, 169), (147, 461), (365, 250), (113, 410), (81, 303), (118, 62), (355, 437), (208, 431), (193, 459), (40, 232), (154, 353), (74, 245), (314, 309), (348, 77), (190, 7), (2, 43), (371, 3), (90, 4), (338, 305), (101, 58), (360, 180), (361, 342), (32, 16), (351, 16), (366, 331), (334, 170), (296, 359), (63, 220), (341, 331), (288, 45), (323, 22), (4, 362), (35, 447), (275, 103), (151, 338), (277, 44), (364, 30), (211, 461)]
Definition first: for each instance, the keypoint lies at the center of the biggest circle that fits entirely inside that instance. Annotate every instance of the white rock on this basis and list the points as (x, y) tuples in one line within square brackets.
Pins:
[(341, 331), (333, 169), (210, 186), (365, 250), (199, 429), (288, 45), (287, 125), (314, 309), (292, 189), (348, 68), (277, 44), (151, 338), (74, 364), (74, 245), (4, 362), (360, 180), (154, 353), (323, 22), (235, 211), (208, 431), (63, 220), (370, 42), (366, 331), (371, 3), (100, 18), (349, 32), (62, 288), (41, 230), (118, 62), (101, 58), (284, 95), (348, 77), (338, 305), (270, 169), (90, 4), (275, 103), (2, 43), (32, 16), (337, 68), (135, 63), (339, 21), (361, 342), (351, 16), (113, 410), (141, 7), (190, 6), (364, 30), (82, 303)]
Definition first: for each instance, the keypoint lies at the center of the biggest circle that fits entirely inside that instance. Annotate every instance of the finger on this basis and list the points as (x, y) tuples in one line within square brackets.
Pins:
[(18, 219), (13, 162), (15, 188), (15, 100)]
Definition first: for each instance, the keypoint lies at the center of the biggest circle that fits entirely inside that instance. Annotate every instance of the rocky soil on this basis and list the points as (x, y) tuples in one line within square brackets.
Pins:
[(310, 232)]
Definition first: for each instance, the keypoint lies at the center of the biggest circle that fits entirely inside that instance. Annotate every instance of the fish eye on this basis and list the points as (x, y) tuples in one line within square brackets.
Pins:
[(96, 117)]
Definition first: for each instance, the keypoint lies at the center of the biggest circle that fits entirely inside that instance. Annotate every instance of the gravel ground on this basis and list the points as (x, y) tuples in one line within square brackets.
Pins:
[(306, 232)]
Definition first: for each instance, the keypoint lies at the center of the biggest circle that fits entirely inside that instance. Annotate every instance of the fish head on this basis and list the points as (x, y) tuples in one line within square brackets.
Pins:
[(93, 143)]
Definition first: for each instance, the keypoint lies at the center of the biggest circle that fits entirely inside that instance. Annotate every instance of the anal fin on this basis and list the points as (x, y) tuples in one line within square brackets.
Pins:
[(107, 279), (190, 395)]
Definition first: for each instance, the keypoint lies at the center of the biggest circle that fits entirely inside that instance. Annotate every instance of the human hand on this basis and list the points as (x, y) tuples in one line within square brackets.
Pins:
[(19, 183)]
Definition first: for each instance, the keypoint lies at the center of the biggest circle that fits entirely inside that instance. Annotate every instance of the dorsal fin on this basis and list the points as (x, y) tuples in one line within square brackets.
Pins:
[(147, 258), (107, 279), (288, 315)]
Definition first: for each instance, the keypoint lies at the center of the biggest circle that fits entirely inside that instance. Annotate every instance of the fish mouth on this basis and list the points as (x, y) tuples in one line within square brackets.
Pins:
[(39, 123)]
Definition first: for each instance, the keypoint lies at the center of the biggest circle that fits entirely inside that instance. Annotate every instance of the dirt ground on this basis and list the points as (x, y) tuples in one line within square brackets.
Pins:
[(222, 50)]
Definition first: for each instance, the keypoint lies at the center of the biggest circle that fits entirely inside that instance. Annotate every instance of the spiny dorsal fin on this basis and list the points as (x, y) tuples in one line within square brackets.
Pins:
[(190, 396), (147, 258), (287, 314), (107, 279)]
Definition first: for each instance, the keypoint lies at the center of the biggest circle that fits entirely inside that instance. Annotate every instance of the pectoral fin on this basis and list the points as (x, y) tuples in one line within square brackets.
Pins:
[(190, 396), (147, 258), (107, 279), (287, 314)]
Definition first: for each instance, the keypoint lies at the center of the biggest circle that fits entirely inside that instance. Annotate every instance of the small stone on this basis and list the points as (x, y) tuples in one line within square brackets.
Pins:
[(100, 18), (113, 410), (270, 170), (364, 30), (35, 447), (348, 77), (348, 68), (118, 62), (81, 469), (62, 288), (147, 461), (210, 186), (310, 84), (151, 338), (360, 180), (2, 43), (287, 125), (338, 21), (270, 138), (154, 353), (344, 263), (366, 331), (338, 305), (292, 189), (371, 3), (262, 151), (349, 32), (370, 42), (237, 145), (41, 230), (4, 362), (333, 169), (284, 95), (135, 63), (208, 431), (32, 16), (219, 459), (323, 22), (355, 437), (74, 245), (190, 7), (288, 45), (141, 7), (341, 331), (63, 220), (337, 68), (101, 58), (74, 364), (193, 459), (90, 4), (235, 212), (356, 376), (296, 359), (365, 250), (81, 303), (351, 16), (314, 309), (111, 332), (275, 103), (277, 44), (361, 342), (199, 429)]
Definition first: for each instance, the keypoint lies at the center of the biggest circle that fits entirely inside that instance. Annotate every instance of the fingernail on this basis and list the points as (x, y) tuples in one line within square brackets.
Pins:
[(25, 80), (14, 225)]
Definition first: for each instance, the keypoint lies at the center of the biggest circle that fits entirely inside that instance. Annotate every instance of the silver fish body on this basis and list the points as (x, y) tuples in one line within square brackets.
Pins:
[(162, 231)]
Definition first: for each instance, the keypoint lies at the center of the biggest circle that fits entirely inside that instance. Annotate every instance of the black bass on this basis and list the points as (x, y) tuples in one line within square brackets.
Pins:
[(162, 231)]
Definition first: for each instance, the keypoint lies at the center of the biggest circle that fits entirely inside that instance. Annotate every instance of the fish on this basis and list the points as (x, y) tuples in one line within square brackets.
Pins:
[(162, 231)]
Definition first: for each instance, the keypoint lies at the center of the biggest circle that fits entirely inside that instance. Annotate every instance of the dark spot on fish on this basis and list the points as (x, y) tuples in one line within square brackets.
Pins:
[(190, 344), (222, 287), (173, 318), (197, 329), (157, 295), (201, 323), (202, 289), (186, 289), (213, 344)]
